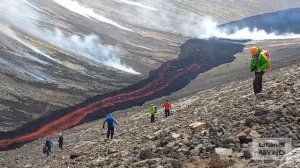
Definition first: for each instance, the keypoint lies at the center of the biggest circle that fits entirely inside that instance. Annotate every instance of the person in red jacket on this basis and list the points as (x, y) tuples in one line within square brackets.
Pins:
[(167, 106)]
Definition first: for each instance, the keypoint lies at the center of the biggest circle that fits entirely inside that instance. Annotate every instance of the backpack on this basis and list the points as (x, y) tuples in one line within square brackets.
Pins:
[(110, 122), (155, 109), (268, 54), (44, 149)]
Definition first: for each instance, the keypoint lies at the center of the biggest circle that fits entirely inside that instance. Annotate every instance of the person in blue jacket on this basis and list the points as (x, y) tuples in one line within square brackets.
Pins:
[(49, 145), (111, 122)]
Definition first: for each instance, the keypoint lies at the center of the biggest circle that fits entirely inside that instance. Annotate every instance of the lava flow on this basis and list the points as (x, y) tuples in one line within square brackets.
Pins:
[(196, 56)]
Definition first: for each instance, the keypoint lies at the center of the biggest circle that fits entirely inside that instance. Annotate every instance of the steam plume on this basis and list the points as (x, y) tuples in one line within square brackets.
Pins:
[(88, 46)]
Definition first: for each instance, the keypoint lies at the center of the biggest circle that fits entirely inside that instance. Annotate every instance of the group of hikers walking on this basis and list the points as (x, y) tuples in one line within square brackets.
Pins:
[(153, 110), (49, 144), (260, 62), (111, 122)]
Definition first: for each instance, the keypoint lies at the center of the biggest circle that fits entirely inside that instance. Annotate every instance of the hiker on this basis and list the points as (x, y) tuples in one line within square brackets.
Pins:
[(167, 106), (110, 125), (60, 141), (259, 63), (48, 145), (152, 110)]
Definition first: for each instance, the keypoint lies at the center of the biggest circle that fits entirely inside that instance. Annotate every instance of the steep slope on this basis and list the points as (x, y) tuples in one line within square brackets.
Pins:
[(227, 110), (56, 55)]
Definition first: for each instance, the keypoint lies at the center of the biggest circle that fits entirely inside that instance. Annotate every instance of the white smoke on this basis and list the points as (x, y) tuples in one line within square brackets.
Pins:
[(78, 8), (87, 46), (192, 25), (137, 4), (35, 7), (4, 29), (204, 28), (207, 28)]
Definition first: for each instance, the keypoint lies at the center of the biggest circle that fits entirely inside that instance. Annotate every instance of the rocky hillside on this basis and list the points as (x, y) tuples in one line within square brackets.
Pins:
[(48, 55), (225, 112)]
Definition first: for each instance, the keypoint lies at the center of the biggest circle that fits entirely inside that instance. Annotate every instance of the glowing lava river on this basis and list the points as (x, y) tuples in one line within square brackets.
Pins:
[(197, 56)]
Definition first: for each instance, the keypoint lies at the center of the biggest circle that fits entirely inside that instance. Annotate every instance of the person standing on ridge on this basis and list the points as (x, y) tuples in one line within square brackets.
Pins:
[(152, 111), (60, 141), (49, 145), (259, 63), (167, 106), (111, 122)]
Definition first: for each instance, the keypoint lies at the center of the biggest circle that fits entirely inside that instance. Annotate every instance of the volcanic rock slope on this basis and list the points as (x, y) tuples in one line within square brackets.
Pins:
[(47, 51), (169, 142)]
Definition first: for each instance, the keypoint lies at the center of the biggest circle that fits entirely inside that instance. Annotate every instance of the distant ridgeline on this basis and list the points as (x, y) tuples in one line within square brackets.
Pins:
[(285, 21)]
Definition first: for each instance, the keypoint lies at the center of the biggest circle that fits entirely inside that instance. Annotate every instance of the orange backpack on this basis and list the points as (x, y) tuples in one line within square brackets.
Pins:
[(268, 54)]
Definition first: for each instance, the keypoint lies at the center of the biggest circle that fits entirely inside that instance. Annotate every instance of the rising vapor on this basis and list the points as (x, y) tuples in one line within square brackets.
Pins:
[(88, 46), (6, 30), (137, 4), (208, 28), (78, 8), (195, 26)]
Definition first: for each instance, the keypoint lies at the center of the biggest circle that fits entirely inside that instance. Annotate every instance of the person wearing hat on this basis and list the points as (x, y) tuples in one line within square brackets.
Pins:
[(259, 64)]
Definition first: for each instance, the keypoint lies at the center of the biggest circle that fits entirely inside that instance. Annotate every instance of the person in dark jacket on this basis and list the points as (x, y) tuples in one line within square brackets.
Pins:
[(49, 145), (111, 122), (60, 141)]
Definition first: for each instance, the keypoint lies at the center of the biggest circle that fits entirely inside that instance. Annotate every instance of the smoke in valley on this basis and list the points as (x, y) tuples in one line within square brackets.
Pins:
[(24, 16)]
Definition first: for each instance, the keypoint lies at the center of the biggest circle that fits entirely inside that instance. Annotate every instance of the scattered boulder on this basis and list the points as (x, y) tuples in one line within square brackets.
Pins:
[(184, 151), (247, 131), (168, 150), (172, 163), (218, 162), (171, 144), (247, 135), (151, 137), (76, 154), (197, 125), (164, 141), (261, 96), (28, 166), (259, 111), (243, 137), (197, 149), (146, 154), (175, 136), (186, 136), (229, 138), (292, 159), (254, 134), (223, 151), (247, 154), (112, 151), (143, 163)]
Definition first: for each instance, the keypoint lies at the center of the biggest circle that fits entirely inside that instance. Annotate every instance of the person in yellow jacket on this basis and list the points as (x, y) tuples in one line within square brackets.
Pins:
[(152, 111), (259, 63)]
